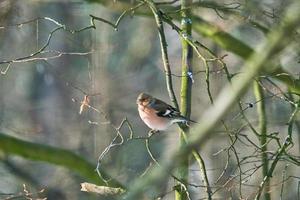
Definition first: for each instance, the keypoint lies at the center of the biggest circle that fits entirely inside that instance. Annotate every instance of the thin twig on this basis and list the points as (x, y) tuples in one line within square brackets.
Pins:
[(163, 44), (279, 153)]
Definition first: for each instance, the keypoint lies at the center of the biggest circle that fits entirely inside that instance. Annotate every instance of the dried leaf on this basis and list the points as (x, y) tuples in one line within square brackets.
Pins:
[(101, 190), (84, 103)]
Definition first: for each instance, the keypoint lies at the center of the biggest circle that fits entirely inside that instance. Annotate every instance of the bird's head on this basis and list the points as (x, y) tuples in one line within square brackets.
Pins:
[(144, 99)]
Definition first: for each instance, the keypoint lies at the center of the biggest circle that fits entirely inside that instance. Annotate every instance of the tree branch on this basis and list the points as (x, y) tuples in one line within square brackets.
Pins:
[(33, 151)]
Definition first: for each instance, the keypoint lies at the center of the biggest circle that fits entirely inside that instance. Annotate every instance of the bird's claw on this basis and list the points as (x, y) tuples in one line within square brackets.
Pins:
[(152, 132)]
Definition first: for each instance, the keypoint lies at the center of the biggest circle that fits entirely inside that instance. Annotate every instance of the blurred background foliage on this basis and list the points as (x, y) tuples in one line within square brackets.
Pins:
[(40, 100)]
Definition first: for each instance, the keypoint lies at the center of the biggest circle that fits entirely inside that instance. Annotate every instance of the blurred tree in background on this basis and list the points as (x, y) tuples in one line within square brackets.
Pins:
[(71, 72)]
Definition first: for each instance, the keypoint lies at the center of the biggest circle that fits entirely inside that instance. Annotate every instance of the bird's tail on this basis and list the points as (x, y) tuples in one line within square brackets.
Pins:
[(183, 119), (189, 120)]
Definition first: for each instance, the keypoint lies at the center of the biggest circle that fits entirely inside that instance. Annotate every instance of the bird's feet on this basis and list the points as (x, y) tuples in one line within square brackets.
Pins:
[(152, 132), (187, 124)]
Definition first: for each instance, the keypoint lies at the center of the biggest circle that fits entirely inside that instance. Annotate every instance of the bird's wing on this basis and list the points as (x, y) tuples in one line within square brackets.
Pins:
[(164, 110)]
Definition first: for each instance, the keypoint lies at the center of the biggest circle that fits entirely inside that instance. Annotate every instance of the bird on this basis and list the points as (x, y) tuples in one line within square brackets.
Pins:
[(157, 114)]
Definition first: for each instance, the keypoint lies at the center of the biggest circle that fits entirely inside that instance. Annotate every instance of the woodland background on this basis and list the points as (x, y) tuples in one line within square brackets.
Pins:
[(77, 87)]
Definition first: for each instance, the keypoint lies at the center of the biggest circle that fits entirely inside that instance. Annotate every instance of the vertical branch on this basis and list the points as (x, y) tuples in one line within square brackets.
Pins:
[(261, 111), (187, 57), (186, 98), (186, 90)]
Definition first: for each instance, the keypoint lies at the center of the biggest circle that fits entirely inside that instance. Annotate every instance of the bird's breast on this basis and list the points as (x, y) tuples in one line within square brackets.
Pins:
[(152, 120)]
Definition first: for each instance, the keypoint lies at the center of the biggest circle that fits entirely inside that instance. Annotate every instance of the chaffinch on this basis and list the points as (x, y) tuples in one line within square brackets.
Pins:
[(157, 114)]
